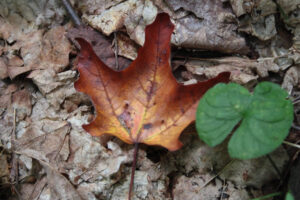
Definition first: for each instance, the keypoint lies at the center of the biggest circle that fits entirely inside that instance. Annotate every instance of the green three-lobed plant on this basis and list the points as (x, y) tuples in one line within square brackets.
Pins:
[(263, 118)]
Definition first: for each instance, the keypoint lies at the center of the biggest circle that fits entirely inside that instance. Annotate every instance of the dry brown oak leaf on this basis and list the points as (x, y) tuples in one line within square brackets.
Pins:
[(143, 103)]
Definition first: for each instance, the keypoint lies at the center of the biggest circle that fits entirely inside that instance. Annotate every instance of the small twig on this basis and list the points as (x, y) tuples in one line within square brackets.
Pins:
[(39, 194), (292, 144), (220, 172), (222, 192), (294, 126), (34, 188), (14, 172), (297, 100), (135, 155), (17, 192), (274, 166), (116, 50), (71, 11), (268, 196), (61, 145)]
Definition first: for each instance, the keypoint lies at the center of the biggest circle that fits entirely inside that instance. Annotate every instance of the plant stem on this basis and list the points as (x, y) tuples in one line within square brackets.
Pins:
[(268, 196), (292, 144), (116, 50), (135, 155)]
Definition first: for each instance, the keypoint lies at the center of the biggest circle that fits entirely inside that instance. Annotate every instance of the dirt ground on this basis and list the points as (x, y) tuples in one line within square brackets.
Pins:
[(46, 155)]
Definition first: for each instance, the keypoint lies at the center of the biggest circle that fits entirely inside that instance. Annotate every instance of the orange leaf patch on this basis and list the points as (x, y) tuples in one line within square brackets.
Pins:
[(143, 103)]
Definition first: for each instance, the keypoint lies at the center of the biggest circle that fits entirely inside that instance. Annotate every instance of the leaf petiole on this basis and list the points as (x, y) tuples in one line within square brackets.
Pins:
[(292, 144), (135, 155)]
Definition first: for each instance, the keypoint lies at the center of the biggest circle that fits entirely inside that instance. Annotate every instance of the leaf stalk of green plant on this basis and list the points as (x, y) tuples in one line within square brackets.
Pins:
[(292, 144), (268, 196)]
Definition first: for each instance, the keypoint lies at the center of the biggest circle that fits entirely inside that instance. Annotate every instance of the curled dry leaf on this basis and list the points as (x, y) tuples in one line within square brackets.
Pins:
[(211, 26), (198, 24), (143, 103), (3, 68), (22, 103), (258, 19), (60, 185), (290, 80)]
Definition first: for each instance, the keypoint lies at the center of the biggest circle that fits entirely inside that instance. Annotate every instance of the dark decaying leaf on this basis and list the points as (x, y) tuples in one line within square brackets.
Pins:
[(101, 45)]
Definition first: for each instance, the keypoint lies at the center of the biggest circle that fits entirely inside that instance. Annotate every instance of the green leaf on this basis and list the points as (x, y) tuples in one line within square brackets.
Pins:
[(265, 118), (289, 196)]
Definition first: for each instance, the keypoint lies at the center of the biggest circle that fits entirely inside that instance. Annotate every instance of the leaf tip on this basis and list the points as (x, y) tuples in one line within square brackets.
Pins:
[(85, 47), (175, 146)]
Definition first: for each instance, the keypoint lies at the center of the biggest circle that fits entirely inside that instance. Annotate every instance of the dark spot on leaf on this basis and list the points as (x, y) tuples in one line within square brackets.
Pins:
[(194, 184), (126, 120), (182, 110), (126, 106), (147, 126)]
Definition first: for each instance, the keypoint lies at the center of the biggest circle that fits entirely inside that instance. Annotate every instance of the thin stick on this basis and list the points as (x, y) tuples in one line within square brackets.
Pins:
[(220, 172), (292, 144), (268, 196), (71, 11), (14, 175), (274, 166), (295, 127), (135, 155), (116, 50)]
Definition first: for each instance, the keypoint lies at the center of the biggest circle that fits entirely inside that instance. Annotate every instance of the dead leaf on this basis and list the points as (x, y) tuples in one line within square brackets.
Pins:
[(38, 50), (22, 103), (241, 68), (3, 68), (192, 188), (101, 45), (60, 185), (30, 14), (53, 50), (126, 47), (112, 19), (143, 103), (47, 80), (210, 26), (4, 169), (213, 26), (241, 7), (15, 71), (144, 187), (44, 147), (290, 79), (259, 20), (288, 6)]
